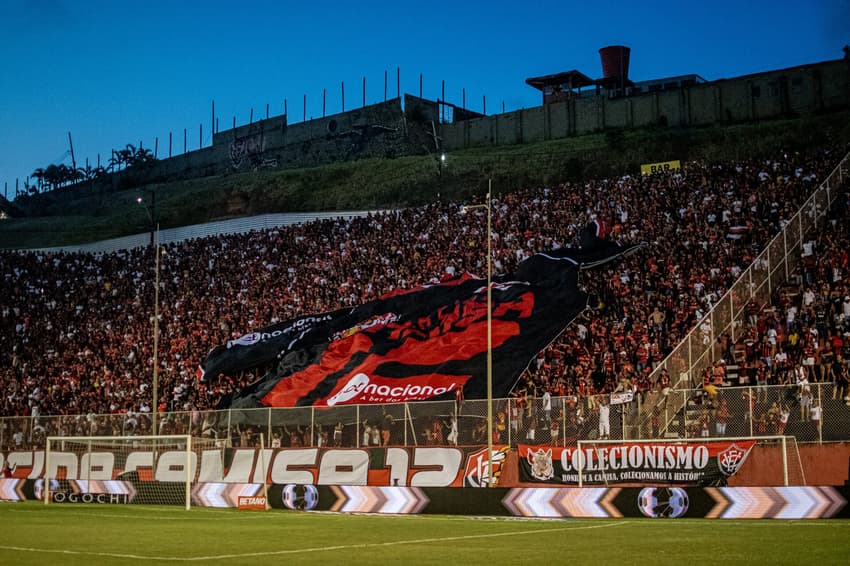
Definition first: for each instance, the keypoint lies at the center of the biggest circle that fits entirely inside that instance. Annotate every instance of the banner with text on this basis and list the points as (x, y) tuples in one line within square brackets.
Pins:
[(419, 466), (685, 463), (661, 167)]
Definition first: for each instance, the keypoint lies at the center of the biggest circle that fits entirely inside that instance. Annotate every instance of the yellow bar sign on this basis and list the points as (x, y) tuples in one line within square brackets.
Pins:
[(663, 167)]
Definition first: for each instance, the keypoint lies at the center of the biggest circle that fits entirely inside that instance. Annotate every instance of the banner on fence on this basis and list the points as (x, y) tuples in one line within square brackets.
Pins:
[(621, 397), (419, 466), (686, 463)]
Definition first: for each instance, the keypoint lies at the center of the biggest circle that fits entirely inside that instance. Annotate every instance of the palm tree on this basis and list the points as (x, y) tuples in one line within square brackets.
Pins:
[(143, 157), (114, 162), (66, 174), (38, 175), (127, 154), (51, 176)]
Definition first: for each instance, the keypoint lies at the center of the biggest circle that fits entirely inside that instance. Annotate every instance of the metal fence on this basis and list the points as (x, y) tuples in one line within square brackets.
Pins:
[(696, 352), (817, 415)]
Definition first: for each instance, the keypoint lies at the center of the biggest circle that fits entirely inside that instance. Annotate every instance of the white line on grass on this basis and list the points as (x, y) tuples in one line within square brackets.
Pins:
[(186, 517), (303, 550)]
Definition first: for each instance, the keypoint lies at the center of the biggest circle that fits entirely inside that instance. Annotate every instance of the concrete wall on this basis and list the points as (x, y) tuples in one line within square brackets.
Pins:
[(822, 464), (378, 130), (774, 94), (387, 130)]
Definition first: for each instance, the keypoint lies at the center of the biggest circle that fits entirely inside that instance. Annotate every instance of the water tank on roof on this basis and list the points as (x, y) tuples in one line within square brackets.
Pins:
[(615, 62)]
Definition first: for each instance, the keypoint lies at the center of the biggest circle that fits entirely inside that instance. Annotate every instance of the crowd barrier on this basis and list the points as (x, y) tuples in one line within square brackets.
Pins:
[(819, 415)]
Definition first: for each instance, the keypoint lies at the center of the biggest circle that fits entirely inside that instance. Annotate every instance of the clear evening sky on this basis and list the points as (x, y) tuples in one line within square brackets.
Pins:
[(114, 72)]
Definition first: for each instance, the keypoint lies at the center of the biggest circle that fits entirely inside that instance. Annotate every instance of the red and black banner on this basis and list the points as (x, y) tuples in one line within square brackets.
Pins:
[(680, 463), (424, 343), (381, 466)]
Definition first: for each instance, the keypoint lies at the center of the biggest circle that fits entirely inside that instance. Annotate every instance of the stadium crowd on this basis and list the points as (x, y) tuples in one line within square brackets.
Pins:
[(800, 339), (76, 329)]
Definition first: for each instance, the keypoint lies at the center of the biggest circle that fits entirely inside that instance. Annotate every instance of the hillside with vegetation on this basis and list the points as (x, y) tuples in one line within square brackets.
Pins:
[(82, 213)]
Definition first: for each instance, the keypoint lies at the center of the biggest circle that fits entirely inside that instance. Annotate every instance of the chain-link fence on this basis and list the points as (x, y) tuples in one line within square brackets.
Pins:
[(814, 413)]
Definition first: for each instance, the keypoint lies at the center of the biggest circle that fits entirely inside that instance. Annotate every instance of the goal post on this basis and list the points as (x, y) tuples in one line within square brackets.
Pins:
[(726, 454), (122, 469)]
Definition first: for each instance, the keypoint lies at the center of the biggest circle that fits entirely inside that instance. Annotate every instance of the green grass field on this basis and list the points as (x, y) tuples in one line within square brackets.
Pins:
[(90, 534)]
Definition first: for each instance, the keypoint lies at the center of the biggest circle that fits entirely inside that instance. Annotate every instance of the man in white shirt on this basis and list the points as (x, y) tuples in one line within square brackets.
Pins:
[(815, 414), (604, 419), (808, 297)]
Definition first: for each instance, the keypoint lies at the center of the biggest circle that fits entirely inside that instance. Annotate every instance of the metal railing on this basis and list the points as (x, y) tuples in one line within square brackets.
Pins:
[(743, 411), (696, 352)]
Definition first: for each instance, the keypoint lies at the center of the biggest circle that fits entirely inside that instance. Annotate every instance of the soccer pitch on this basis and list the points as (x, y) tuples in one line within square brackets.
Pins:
[(90, 534)]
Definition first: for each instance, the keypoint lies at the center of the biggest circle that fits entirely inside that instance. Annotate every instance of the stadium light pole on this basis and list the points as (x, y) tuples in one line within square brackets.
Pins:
[(151, 210), (487, 205), (155, 388)]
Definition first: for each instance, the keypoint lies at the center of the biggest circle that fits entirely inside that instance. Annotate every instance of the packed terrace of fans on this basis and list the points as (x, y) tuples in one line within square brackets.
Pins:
[(76, 329)]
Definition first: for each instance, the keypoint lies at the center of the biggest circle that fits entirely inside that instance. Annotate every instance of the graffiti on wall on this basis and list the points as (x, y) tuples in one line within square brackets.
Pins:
[(248, 153)]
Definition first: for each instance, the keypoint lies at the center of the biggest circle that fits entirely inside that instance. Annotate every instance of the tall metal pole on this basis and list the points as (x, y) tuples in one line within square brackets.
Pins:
[(155, 393), (71, 144), (490, 475)]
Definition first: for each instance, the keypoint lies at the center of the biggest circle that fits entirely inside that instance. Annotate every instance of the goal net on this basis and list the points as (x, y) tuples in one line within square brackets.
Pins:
[(753, 460), (122, 469)]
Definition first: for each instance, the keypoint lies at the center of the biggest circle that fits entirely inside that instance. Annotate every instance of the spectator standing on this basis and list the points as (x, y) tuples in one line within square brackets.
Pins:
[(604, 418), (722, 418)]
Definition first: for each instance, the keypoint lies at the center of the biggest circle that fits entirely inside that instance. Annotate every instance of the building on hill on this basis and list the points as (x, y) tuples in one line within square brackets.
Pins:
[(410, 125)]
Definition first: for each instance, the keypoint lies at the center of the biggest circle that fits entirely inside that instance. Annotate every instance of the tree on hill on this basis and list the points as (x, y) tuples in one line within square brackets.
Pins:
[(38, 175), (56, 176)]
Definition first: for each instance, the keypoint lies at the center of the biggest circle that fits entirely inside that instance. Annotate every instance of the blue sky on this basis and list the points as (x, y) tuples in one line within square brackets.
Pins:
[(114, 73)]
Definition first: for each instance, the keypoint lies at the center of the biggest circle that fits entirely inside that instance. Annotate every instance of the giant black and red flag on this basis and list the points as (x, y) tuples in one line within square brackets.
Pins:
[(422, 343)]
